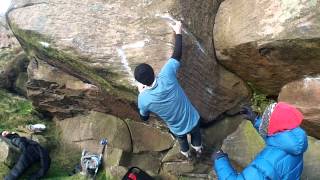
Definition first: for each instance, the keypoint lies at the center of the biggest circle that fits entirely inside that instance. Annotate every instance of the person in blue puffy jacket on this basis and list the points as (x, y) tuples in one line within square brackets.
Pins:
[(282, 156)]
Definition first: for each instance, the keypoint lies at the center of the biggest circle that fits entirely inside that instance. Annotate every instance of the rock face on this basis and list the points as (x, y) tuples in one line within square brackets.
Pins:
[(7, 38), (211, 88), (13, 62), (87, 131), (178, 168), (214, 135), (269, 43), (65, 96), (305, 95), (114, 157), (245, 143), (13, 65), (174, 162), (116, 172), (103, 42), (148, 138), (113, 161), (82, 71), (173, 154)]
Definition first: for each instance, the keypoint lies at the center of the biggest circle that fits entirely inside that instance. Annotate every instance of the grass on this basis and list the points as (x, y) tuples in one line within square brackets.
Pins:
[(15, 112)]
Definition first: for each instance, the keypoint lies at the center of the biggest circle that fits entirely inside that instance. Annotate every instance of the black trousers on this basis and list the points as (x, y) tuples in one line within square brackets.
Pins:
[(195, 138)]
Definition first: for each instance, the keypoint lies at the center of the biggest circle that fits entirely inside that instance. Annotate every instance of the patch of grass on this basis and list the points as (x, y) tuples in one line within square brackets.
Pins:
[(15, 112)]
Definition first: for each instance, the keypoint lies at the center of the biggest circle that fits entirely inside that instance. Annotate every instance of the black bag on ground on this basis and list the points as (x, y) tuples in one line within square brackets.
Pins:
[(136, 173)]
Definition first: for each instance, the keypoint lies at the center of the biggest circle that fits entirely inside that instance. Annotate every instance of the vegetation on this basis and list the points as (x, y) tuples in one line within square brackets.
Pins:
[(259, 100), (15, 113)]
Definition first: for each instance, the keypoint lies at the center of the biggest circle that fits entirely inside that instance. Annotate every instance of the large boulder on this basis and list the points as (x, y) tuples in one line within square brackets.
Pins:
[(104, 41), (305, 95), (148, 138), (211, 88), (65, 95), (86, 131), (245, 143), (269, 43)]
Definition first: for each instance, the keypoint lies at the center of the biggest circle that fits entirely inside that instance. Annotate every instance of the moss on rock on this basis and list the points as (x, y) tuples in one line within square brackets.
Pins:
[(70, 63), (243, 145)]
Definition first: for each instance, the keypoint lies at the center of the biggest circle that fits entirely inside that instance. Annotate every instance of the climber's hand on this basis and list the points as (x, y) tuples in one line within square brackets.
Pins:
[(248, 113), (216, 155), (176, 26)]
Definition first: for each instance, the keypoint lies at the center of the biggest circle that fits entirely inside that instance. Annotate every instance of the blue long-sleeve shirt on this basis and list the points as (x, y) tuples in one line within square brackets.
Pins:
[(168, 100)]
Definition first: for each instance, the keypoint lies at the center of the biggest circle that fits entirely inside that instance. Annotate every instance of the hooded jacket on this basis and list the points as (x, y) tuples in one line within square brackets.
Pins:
[(281, 158)]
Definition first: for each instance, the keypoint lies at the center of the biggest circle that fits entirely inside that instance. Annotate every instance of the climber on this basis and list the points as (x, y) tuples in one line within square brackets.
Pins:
[(164, 96), (282, 157), (31, 152)]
